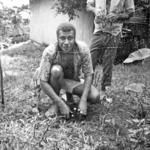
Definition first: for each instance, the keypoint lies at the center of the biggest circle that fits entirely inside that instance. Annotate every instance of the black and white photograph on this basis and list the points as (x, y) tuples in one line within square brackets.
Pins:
[(74, 74)]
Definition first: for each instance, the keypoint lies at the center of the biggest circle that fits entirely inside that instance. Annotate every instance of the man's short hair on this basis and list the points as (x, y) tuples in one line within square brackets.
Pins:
[(66, 27)]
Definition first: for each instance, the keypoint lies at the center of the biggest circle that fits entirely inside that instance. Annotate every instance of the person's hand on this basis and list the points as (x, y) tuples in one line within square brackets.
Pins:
[(99, 12), (112, 17), (123, 16), (83, 107), (64, 109), (100, 15)]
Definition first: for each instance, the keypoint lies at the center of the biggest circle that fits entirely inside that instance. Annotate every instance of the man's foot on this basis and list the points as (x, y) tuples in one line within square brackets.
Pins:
[(52, 111), (104, 95)]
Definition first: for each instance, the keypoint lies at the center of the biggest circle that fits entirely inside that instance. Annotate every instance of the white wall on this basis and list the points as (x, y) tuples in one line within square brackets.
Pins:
[(44, 22)]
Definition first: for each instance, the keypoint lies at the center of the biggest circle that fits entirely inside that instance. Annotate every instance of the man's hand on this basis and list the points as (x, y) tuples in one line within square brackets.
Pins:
[(83, 102), (99, 12), (64, 109), (123, 16), (112, 17), (83, 107)]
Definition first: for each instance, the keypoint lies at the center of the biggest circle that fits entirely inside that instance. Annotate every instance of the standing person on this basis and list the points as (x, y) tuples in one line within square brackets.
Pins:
[(109, 17), (60, 69)]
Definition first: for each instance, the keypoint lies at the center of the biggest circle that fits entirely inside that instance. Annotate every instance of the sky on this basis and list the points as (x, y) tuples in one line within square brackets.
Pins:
[(11, 3)]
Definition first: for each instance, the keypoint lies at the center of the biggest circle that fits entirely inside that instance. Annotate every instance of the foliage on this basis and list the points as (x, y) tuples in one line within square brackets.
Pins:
[(5, 15), (69, 7), (10, 20)]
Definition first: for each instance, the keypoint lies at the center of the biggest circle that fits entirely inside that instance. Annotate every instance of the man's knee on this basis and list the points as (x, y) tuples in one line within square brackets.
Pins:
[(56, 71), (94, 96)]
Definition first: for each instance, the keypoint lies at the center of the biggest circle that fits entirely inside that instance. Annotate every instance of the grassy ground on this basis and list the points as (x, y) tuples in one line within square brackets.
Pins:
[(120, 125)]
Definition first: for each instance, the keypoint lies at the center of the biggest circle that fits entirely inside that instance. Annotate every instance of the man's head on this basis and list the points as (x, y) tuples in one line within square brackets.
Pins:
[(66, 34)]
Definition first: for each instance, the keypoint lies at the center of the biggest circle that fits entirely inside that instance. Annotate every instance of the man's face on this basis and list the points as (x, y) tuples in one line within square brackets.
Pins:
[(66, 40)]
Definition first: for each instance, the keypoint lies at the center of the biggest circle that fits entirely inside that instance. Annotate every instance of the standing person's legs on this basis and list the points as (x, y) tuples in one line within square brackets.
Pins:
[(96, 47), (108, 60)]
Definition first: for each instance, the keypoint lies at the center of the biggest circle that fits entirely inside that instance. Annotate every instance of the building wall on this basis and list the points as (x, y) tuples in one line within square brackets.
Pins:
[(44, 22)]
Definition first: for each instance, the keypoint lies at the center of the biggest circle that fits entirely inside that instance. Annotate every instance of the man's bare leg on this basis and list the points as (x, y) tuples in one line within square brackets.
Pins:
[(93, 97), (56, 79)]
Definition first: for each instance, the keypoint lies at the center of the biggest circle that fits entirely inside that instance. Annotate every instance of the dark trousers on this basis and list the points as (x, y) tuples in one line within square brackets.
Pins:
[(104, 48)]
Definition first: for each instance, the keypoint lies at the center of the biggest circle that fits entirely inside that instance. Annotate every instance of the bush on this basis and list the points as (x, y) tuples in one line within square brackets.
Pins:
[(69, 7)]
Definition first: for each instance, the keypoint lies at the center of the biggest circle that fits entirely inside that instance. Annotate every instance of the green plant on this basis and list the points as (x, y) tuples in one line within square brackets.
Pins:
[(69, 7)]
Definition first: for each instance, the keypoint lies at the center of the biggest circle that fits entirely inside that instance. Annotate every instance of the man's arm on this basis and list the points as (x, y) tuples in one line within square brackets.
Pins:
[(98, 11), (44, 74), (87, 69), (47, 88), (129, 10), (125, 15), (113, 17), (119, 17), (87, 86), (83, 101)]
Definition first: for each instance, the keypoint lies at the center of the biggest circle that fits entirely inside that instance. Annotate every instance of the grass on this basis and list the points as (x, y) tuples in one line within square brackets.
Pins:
[(120, 125)]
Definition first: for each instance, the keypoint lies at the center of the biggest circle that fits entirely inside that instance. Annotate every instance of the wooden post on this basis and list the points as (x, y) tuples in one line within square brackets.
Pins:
[(148, 15), (1, 83)]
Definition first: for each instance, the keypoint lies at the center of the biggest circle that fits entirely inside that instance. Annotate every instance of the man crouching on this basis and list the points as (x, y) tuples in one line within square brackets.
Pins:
[(60, 68)]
